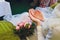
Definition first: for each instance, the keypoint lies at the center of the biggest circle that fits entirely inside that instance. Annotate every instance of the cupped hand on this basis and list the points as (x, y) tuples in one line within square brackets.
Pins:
[(36, 20)]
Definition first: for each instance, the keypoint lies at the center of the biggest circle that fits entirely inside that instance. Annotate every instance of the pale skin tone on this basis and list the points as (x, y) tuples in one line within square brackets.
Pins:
[(38, 23)]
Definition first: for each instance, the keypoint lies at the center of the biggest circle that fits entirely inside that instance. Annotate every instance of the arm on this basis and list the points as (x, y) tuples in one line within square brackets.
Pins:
[(38, 22), (39, 33)]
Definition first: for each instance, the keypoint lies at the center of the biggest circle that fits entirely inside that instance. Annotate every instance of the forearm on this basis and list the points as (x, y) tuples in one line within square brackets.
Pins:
[(39, 33)]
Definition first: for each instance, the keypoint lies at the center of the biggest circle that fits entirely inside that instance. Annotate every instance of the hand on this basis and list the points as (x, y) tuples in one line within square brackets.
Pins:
[(37, 21)]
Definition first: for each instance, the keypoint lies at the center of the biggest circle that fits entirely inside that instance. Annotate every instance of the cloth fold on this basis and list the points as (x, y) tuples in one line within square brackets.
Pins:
[(18, 18)]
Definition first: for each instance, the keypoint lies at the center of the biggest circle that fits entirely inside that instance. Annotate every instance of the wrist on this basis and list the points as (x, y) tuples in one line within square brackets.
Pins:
[(38, 23), (39, 28)]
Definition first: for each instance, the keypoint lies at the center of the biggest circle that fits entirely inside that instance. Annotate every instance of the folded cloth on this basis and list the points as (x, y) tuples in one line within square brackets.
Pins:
[(4, 8), (18, 18)]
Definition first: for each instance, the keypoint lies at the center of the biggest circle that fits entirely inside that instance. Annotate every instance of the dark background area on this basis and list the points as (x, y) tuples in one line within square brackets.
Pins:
[(19, 6)]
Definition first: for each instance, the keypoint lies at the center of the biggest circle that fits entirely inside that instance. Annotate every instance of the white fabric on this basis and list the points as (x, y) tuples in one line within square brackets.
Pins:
[(47, 13), (39, 33), (53, 23), (2, 0), (5, 8), (18, 18)]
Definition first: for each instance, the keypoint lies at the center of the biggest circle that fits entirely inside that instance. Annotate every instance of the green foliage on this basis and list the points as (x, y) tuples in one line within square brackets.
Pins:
[(6, 31)]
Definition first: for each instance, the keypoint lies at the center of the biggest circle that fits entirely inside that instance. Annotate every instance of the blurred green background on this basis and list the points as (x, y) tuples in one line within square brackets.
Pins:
[(19, 6)]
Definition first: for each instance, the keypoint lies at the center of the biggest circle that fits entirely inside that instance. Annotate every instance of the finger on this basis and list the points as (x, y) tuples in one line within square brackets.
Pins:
[(17, 28), (33, 18), (31, 11), (37, 14)]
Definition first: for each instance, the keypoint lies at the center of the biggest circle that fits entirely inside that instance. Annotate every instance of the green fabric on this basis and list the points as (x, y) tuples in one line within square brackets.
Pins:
[(19, 7), (6, 31)]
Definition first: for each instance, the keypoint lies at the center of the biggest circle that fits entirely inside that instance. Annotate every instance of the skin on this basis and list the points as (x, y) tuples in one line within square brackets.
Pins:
[(37, 21)]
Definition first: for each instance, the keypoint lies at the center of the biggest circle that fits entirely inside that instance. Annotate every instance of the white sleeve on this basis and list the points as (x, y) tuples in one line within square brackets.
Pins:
[(39, 33)]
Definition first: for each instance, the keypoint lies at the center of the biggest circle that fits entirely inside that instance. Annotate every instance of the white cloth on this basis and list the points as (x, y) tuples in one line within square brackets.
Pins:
[(47, 13), (39, 33), (52, 20), (18, 18), (2, 0), (5, 8)]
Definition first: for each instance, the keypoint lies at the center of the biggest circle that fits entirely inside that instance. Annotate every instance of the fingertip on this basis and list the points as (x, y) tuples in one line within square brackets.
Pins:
[(31, 10)]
